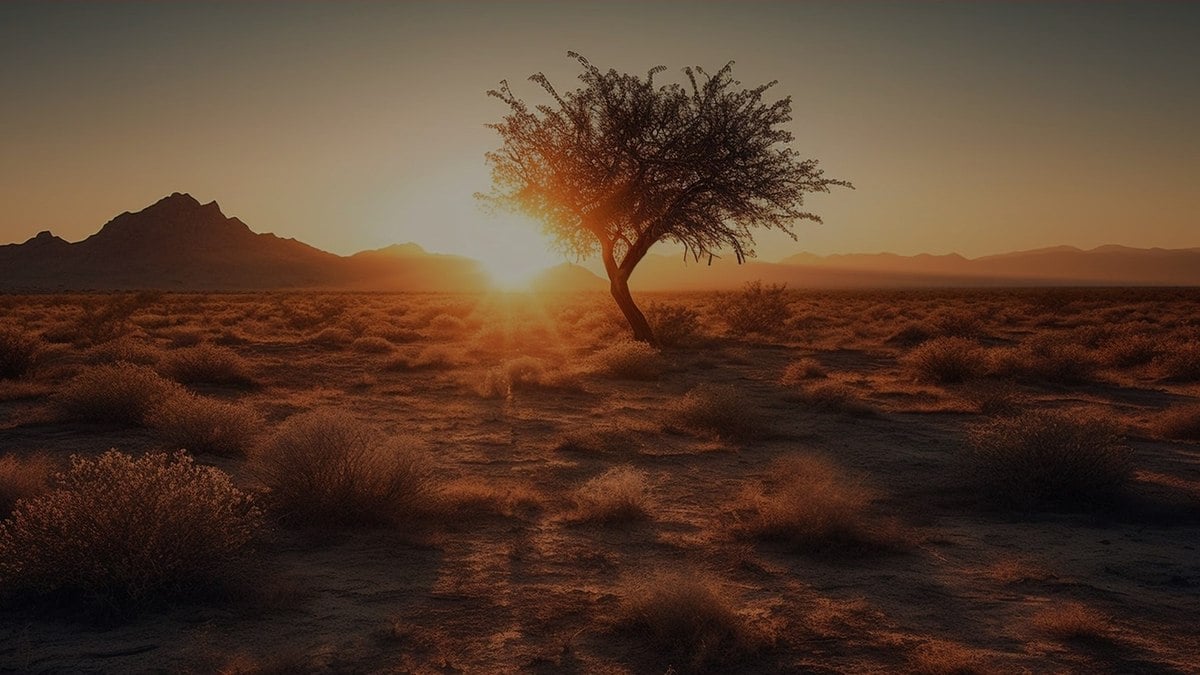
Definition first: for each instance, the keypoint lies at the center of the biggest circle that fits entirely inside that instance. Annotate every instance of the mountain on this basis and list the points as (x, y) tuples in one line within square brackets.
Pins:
[(177, 243), (567, 278)]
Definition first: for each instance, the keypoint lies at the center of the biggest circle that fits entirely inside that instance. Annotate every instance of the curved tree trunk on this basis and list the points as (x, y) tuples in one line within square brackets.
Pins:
[(619, 286)]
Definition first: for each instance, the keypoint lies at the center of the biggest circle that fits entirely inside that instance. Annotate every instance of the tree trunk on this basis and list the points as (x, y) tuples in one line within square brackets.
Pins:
[(642, 332)]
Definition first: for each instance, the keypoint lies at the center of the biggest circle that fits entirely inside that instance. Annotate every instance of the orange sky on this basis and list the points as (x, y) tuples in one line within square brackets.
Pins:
[(975, 127)]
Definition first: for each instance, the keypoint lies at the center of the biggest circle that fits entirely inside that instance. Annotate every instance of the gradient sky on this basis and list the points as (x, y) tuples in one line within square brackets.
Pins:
[(973, 127)]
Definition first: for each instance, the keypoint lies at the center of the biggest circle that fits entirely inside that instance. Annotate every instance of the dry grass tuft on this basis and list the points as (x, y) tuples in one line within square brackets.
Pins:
[(756, 309), (127, 349), (690, 619), (524, 373), (331, 338), (208, 364), (1048, 358), (834, 397), (120, 393), (200, 424), (1181, 423), (947, 360), (326, 468), (1073, 621), (372, 344), (628, 360), (939, 657), (674, 325), (1047, 457), (118, 533), (476, 496), (22, 478), (814, 507), (19, 353), (1182, 362), (801, 370), (619, 495), (716, 410)]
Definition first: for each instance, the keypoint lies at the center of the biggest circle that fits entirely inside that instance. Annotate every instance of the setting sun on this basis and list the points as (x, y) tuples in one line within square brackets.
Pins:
[(513, 252)]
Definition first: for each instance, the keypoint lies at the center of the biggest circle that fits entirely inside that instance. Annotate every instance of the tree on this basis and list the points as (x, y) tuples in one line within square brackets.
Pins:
[(621, 164)]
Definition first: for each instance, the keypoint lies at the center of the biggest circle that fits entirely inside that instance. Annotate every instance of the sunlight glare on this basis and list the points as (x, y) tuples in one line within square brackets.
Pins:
[(515, 252)]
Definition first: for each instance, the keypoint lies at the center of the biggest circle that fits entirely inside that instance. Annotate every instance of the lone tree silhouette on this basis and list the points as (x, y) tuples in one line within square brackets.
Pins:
[(621, 164)]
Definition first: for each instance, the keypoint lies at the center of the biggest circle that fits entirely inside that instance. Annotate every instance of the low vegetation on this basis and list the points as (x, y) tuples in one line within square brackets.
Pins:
[(628, 360), (756, 309), (208, 364), (947, 360), (619, 495), (201, 424), (719, 411), (1180, 423), (19, 352), (120, 393)]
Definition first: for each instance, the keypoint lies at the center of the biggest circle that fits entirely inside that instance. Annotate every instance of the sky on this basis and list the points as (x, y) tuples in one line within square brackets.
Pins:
[(974, 128)]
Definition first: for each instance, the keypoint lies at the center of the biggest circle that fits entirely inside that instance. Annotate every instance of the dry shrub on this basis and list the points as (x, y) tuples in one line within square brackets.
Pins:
[(757, 308), (628, 360), (599, 440), (947, 360), (690, 619), (118, 532), (524, 373), (326, 468), (674, 325), (1180, 423), (1073, 621), (201, 424), (995, 397), (208, 364), (911, 334), (434, 357), (939, 657), (475, 496), (19, 352), (812, 506), (1048, 358), (447, 324), (835, 397), (126, 349), (619, 495), (1181, 362), (718, 410), (22, 478), (801, 370), (957, 323), (1048, 457), (331, 338), (121, 393), (1130, 349), (371, 344), (183, 336)]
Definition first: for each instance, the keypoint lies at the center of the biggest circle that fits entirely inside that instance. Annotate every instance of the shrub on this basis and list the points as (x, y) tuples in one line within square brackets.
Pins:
[(834, 397), (947, 360), (435, 357), (674, 325), (118, 532), (323, 467), (523, 373), (201, 424), (1130, 349), (1046, 457), (995, 397), (447, 324), (19, 352), (1073, 621), (813, 507), (802, 369), (371, 344), (756, 309), (120, 393), (619, 495), (628, 360), (714, 409), (1048, 358), (911, 334), (689, 618), (126, 349), (22, 478), (939, 657), (1180, 423), (1182, 362), (331, 338), (208, 364)]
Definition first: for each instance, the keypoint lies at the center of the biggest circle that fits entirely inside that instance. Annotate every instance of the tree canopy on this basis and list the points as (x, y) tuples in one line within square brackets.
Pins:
[(622, 163)]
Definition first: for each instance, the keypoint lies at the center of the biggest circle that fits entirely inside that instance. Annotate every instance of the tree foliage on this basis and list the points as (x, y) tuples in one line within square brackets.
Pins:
[(622, 163)]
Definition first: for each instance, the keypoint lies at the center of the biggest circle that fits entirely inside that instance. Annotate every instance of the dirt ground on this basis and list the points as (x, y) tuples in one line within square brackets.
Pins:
[(531, 586)]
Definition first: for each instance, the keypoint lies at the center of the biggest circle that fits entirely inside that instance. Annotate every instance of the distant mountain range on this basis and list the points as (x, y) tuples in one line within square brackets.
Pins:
[(177, 243)]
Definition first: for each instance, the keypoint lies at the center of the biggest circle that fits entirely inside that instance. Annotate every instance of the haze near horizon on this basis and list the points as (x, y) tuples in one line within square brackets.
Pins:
[(973, 129)]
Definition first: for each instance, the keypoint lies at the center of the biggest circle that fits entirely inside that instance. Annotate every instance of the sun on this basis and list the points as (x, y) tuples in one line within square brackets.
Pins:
[(515, 253)]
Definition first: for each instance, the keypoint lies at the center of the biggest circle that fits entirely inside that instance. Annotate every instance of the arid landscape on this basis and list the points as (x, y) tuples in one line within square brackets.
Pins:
[(855, 481)]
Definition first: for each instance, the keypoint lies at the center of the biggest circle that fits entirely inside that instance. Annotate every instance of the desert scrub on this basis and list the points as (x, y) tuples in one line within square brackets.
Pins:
[(801, 370), (811, 506), (326, 468), (201, 424), (22, 478), (125, 348), (524, 373), (19, 352), (208, 364), (1050, 458), (757, 308), (372, 344), (627, 360), (121, 393), (717, 410), (833, 397), (434, 357), (1181, 362), (1048, 358), (674, 325), (118, 533), (947, 360), (1181, 423), (690, 619), (331, 338), (619, 495), (1073, 621)]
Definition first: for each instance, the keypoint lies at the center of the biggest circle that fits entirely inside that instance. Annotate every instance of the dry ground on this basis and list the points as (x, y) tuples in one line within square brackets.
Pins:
[(899, 559)]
